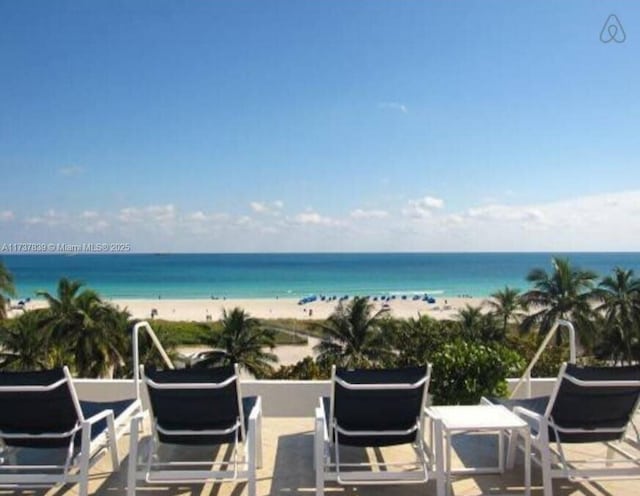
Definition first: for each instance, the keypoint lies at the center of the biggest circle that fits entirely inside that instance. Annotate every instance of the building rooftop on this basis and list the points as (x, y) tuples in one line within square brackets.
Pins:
[(288, 463)]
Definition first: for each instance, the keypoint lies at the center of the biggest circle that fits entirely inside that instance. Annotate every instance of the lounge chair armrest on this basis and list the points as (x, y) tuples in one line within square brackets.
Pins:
[(135, 406), (140, 416), (135, 421), (635, 442), (525, 412), (431, 414), (100, 416), (256, 411), (536, 421), (320, 417)]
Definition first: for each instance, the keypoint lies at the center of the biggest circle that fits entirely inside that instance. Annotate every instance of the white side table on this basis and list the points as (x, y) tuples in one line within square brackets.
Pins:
[(447, 420)]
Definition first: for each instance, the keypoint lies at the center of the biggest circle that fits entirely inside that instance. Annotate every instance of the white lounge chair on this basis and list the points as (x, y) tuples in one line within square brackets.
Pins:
[(48, 436), (371, 408), (587, 405), (197, 407)]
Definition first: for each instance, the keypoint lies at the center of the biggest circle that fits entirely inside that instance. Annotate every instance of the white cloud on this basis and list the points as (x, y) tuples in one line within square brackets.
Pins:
[(266, 207), (129, 214), (422, 207), (455, 219), (70, 170), (268, 230), (97, 227), (507, 213), (258, 207), (401, 107), (162, 213), (50, 218), (245, 220), (359, 213), (90, 221), (6, 215), (588, 223), (198, 216), (151, 213), (314, 218)]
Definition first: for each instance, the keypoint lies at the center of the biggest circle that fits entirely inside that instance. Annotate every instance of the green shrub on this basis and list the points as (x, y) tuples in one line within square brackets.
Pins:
[(185, 332), (286, 338), (417, 339), (305, 369), (464, 371), (306, 327), (550, 361)]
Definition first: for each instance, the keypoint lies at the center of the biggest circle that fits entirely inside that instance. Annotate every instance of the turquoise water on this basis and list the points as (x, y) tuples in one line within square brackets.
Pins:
[(295, 275)]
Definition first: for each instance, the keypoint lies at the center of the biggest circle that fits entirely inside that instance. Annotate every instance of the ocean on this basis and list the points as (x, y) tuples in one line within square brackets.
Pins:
[(269, 275)]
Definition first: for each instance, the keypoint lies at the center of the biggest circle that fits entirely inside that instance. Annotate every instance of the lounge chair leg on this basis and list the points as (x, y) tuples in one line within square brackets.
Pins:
[(318, 456), (259, 441), (252, 483), (252, 451), (113, 446), (610, 455), (511, 452), (501, 436), (438, 440), (83, 469), (527, 462), (545, 460), (133, 457)]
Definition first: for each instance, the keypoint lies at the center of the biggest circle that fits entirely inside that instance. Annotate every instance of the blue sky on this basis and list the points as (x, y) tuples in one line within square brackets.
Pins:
[(320, 125)]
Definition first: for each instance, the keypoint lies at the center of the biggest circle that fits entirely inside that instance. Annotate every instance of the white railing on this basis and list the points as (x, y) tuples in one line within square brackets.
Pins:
[(526, 377), (144, 325)]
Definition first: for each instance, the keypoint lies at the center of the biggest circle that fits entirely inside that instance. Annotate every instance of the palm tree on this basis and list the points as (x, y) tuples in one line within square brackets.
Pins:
[(23, 343), (82, 321), (474, 325), (306, 369), (6, 289), (563, 294), (470, 319), (620, 296), (417, 339), (101, 347), (242, 341), (352, 336), (506, 305)]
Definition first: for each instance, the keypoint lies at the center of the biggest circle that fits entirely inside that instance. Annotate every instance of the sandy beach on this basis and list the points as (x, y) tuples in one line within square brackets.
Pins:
[(273, 308)]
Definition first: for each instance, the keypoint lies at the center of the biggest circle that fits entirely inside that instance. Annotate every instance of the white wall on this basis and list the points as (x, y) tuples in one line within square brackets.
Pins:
[(279, 398)]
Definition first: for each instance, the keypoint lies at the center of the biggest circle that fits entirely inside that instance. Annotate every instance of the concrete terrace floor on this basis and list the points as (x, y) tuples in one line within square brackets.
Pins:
[(288, 470)]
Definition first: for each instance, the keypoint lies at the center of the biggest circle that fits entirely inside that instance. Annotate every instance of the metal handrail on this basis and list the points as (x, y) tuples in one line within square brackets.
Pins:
[(144, 325), (526, 376)]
